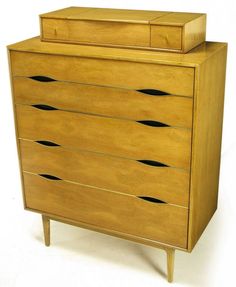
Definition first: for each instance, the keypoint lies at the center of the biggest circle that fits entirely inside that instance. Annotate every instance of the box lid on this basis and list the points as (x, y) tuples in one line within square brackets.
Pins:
[(123, 15)]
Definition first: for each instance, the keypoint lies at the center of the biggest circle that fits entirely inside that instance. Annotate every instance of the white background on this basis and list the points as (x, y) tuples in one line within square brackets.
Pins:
[(79, 257)]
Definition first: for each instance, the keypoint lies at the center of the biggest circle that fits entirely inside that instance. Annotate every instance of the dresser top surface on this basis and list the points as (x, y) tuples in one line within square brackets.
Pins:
[(123, 15), (191, 59)]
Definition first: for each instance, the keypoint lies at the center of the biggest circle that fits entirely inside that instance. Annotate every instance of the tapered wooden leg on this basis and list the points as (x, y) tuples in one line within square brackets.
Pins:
[(170, 263), (46, 229)]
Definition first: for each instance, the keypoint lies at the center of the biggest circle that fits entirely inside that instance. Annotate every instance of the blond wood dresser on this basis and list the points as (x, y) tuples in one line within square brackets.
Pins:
[(120, 141)]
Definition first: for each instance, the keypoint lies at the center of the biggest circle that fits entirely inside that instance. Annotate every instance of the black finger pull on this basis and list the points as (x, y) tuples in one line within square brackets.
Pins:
[(44, 107), (153, 92), (51, 177), (47, 143), (152, 162), (153, 123), (42, 79), (152, 199)]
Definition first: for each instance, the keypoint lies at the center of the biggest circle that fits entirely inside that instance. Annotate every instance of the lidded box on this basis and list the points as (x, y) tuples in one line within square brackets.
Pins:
[(152, 30)]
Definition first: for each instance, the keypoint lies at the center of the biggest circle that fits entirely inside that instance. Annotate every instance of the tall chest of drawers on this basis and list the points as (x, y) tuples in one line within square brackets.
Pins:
[(125, 142)]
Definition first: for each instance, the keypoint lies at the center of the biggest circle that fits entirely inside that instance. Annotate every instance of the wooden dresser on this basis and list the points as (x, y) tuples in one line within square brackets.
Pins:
[(121, 141)]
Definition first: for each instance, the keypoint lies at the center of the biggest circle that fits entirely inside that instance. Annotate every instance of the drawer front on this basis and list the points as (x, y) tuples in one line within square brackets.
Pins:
[(166, 37), (170, 185), (169, 79), (96, 32), (127, 214), (137, 140), (115, 102)]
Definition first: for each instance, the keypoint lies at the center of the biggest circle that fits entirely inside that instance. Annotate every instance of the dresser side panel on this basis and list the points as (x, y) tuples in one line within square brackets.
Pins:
[(206, 143)]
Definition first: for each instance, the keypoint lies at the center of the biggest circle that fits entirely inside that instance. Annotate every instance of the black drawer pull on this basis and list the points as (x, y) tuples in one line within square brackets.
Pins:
[(151, 199), (42, 79), (47, 143), (51, 177), (153, 92), (153, 123), (152, 162), (44, 107)]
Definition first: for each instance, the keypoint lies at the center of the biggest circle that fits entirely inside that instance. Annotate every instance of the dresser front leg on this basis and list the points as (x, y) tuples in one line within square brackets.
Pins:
[(170, 263), (46, 229)]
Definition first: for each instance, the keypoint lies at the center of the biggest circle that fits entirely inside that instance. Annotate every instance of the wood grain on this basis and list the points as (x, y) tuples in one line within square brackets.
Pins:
[(107, 101), (123, 213), (101, 32), (67, 13), (124, 138), (119, 234), (173, 80), (207, 131), (127, 70), (166, 37), (176, 19), (193, 59), (105, 14), (126, 28), (16, 129), (170, 264), (194, 33), (46, 229), (181, 31), (102, 171)]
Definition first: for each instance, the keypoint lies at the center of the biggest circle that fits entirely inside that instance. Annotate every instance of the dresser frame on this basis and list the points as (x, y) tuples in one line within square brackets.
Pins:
[(209, 63)]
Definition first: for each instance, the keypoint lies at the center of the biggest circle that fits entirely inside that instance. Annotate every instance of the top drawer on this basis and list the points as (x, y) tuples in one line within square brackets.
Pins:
[(168, 79)]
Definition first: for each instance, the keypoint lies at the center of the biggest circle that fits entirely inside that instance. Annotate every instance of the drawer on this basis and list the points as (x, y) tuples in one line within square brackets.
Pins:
[(96, 32), (128, 214), (107, 172), (125, 138), (179, 31), (166, 37), (98, 26), (134, 75), (108, 101)]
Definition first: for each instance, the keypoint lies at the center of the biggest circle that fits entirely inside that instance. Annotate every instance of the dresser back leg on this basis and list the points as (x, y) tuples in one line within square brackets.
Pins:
[(170, 263), (46, 229)]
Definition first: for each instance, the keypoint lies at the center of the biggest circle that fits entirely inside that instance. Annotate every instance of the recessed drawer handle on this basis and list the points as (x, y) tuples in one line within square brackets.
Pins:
[(51, 177), (153, 92), (47, 143), (153, 123), (44, 107), (42, 79), (152, 162), (152, 199)]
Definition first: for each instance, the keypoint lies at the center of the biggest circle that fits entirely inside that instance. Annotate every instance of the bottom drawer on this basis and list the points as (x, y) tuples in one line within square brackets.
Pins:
[(124, 213)]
